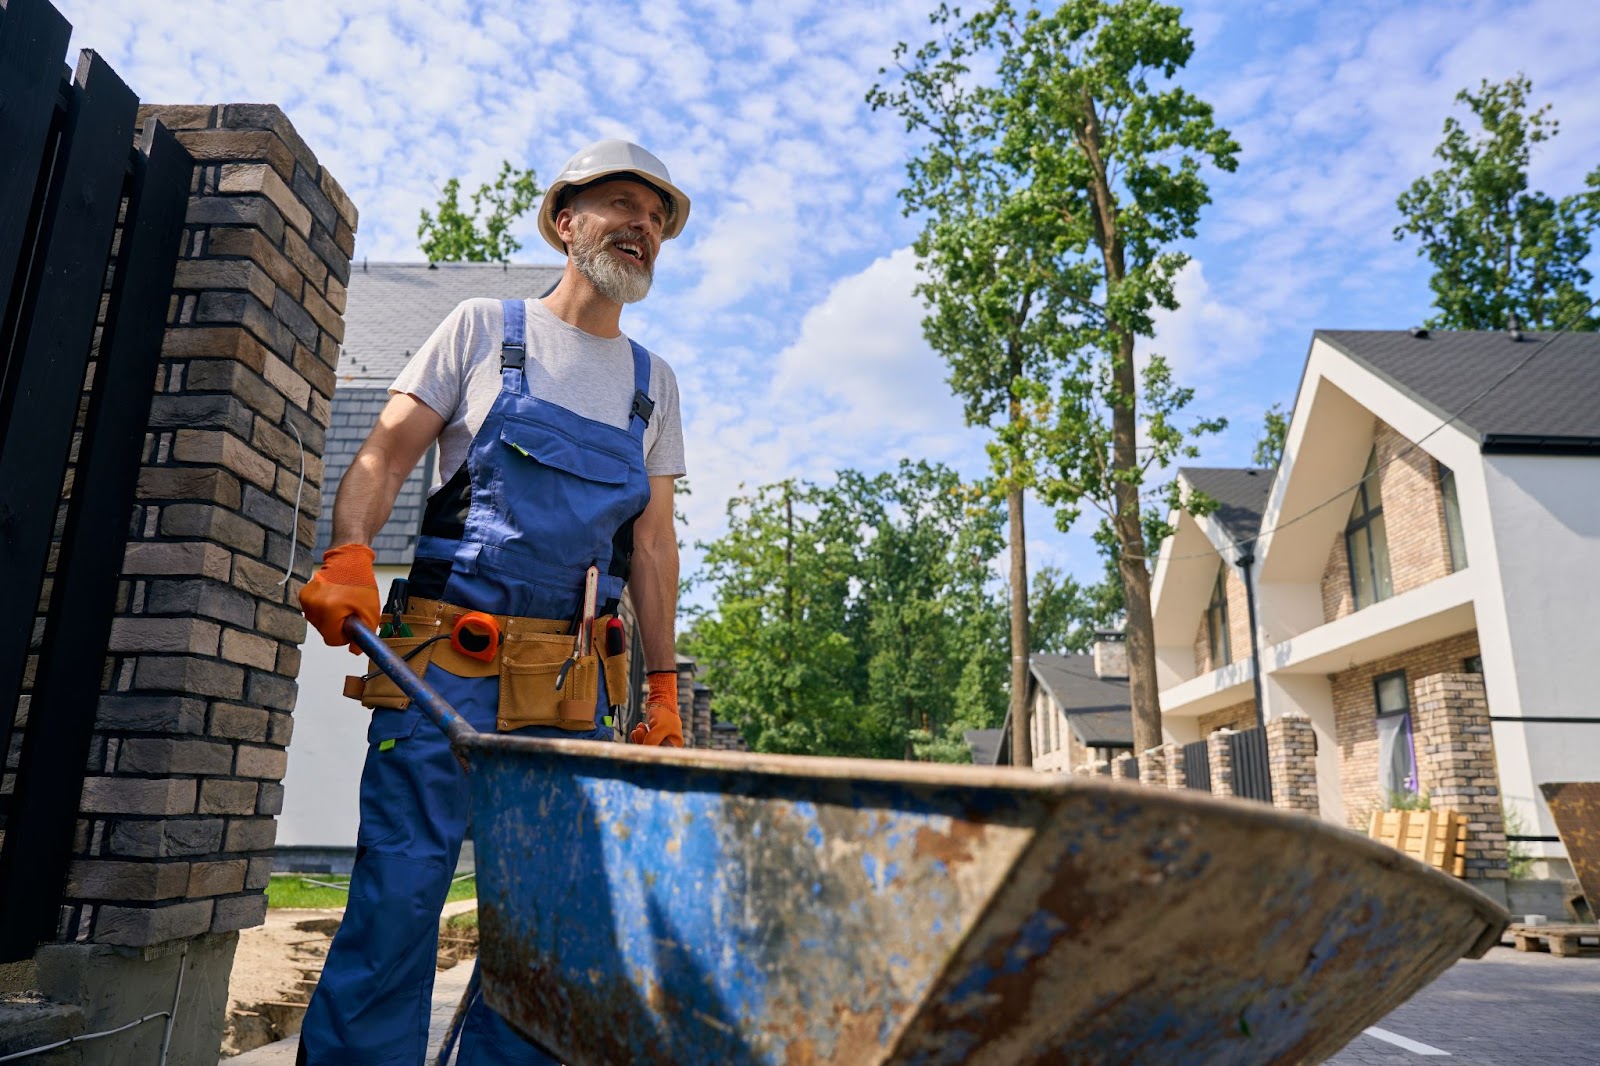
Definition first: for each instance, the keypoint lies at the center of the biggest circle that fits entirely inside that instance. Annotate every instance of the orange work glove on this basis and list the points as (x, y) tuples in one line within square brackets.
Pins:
[(344, 586), (661, 723)]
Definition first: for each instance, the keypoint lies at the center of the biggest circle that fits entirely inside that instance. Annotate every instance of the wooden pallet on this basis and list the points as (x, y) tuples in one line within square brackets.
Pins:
[(1565, 940), (1436, 838)]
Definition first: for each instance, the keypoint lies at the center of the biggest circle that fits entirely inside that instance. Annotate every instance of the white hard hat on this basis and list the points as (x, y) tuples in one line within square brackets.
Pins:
[(604, 159)]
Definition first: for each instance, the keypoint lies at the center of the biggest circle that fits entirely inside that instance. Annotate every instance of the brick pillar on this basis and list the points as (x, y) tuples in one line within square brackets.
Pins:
[(1292, 759), (702, 711), (1220, 754), (1153, 767), (1455, 760), (173, 847), (691, 739), (1125, 767), (1176, 777)]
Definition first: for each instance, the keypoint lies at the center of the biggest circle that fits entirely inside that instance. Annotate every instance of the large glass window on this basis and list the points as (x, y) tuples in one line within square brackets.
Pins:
[(1397, 758), (1217, 621), (1367, 542), (1452, 519)]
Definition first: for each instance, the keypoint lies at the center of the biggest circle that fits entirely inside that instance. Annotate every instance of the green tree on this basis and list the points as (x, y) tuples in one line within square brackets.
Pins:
[(484, 236), (1055, 196), (856, 618), (1065, 613), (1498, 249), (1274, 431)]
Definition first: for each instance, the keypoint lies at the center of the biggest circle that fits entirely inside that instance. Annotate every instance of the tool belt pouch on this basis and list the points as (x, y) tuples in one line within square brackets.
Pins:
[(615, 667), (529, 665), (376, 689)]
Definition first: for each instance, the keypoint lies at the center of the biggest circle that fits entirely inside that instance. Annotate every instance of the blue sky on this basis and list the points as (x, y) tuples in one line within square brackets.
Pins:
[(786, 306)]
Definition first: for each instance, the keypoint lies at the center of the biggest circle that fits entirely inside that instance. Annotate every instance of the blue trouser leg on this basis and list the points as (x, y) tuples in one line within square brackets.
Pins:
[(371, 1007)]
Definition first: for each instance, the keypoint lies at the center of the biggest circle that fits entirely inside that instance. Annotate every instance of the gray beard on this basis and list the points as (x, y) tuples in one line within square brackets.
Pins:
[(614, 280)]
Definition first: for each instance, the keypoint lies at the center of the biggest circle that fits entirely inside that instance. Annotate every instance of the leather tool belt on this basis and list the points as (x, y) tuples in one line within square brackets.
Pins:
[(527, 663)]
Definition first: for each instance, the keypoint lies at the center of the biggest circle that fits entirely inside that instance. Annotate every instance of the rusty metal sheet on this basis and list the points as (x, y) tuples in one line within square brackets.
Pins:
[(684, 907), (1575, 806)]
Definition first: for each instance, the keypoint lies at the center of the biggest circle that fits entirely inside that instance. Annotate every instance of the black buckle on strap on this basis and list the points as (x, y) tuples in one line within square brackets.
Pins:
[(513, 356), (643, 406)]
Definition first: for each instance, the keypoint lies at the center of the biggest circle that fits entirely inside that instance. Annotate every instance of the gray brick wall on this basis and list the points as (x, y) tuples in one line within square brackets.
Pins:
[(177, 811)]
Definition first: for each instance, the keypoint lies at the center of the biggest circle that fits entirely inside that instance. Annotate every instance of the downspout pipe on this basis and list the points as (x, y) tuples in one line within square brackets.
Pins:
[(1245, 560)]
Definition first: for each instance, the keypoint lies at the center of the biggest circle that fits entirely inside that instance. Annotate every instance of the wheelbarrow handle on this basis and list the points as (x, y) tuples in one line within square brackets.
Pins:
[(444, 716)]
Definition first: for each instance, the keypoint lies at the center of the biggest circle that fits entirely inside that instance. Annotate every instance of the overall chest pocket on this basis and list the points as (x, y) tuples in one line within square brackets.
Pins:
[(550, 447)]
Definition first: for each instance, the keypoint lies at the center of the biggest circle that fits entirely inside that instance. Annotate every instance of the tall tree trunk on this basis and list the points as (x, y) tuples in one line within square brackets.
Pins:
[(1021, 723), (1143, 694)]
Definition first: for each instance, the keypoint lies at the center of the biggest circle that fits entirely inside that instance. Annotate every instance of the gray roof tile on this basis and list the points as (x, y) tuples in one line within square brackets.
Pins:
[(1555, 397), (1242, 493), (1097, 709)]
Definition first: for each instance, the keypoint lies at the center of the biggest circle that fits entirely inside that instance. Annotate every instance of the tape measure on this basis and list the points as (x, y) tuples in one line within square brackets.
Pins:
[(476, 635)]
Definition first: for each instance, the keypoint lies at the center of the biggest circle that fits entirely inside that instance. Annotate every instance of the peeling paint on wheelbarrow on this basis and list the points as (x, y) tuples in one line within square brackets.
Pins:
[(699, 907)]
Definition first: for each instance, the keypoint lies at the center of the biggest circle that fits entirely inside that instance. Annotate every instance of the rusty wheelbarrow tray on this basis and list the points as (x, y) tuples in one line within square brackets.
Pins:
[(695, 907)]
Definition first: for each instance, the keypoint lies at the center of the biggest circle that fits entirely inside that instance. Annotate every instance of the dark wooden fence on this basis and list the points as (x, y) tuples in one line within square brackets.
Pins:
[(90, 228), (1252, 778), (1197, 766)]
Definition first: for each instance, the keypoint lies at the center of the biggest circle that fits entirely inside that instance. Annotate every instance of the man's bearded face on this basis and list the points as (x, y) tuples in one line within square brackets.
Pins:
[(619, 263)]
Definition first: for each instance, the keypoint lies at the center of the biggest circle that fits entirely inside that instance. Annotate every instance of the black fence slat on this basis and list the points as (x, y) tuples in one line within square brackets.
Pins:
[(1252, 776), (83, 596), (57, 329), (33, 38), (1197, 766)]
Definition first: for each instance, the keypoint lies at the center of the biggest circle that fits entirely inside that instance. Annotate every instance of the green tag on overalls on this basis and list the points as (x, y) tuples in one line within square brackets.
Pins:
[(385, 745)]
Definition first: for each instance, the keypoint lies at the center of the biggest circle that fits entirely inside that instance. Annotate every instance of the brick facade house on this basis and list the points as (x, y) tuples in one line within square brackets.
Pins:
[(1422, 564), (1080, 712)]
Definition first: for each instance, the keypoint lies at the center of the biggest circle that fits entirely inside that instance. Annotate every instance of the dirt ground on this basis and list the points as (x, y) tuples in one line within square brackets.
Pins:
[(275, 967)]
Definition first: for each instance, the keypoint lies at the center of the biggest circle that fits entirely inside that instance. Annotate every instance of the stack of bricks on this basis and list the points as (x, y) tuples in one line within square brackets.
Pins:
[(725, 736), (1092, 769), (1125, 767), (702, 710), (1220, 755), (691, 738), (1153, 766), (1292, 761), (178, 809), (1455, 760)]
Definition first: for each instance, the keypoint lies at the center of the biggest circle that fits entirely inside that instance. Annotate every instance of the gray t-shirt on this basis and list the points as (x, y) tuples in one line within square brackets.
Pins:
[(457, 373)]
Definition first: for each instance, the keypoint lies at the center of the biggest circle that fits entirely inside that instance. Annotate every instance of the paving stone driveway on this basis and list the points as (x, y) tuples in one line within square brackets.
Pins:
[(1508, 1008)]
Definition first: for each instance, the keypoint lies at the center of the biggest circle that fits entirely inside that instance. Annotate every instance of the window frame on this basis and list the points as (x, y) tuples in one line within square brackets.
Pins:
[(1217, 621), (1377, 693), (1367, 517), (1455, 533)]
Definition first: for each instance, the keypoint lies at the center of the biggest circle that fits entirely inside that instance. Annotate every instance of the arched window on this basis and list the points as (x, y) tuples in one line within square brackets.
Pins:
[(1367, 542)]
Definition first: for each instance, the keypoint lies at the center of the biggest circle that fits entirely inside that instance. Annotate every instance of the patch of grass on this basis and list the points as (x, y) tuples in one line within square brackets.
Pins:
[(461, 922), (308, 891)]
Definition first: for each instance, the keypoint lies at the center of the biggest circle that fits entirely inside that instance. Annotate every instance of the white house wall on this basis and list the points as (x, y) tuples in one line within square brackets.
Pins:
[(1546, 531)]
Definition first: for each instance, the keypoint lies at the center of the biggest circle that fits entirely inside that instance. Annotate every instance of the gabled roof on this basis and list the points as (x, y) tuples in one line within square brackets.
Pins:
[(1552, 403), (1241, 491), (1097, 708), (392, 308), (985, 745)]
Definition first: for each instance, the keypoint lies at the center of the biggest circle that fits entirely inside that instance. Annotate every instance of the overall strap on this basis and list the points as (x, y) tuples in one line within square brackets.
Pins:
[(513, 348), (643, 407)]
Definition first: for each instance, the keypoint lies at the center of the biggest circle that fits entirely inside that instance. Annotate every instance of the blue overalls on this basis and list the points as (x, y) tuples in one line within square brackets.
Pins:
[(549, 491)]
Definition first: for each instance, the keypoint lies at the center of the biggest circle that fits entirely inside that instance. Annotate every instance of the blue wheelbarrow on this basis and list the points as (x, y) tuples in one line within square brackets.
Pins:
[(718, 907)]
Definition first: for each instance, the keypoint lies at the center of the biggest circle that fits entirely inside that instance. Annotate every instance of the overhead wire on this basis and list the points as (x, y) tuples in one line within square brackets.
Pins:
[(1410, 447)]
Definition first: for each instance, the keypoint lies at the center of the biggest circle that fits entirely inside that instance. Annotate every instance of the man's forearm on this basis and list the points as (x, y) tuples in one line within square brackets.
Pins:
[(366, 496), (654, 585)]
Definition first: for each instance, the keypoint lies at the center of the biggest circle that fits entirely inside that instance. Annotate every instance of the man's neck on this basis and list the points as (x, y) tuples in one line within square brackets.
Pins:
[(578, 303)]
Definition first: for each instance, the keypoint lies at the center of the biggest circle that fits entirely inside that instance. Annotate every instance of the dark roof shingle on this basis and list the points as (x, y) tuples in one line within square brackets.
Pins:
[(1097, 708), (1555, 397), (1241, 491)]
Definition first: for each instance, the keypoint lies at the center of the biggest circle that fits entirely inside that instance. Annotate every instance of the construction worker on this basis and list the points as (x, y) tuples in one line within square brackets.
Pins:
[(559, 439)]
